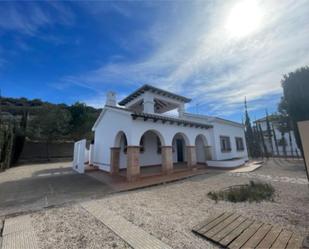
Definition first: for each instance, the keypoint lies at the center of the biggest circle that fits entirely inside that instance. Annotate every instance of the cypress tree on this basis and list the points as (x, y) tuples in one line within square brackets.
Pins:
[(249, 133), (260, 131), (269, 135)]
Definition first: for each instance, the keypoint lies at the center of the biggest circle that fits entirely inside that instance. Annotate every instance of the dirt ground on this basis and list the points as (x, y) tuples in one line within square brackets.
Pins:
[(73, 228), (169, 211)]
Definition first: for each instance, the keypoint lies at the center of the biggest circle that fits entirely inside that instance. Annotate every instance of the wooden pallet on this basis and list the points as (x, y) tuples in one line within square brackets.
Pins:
[(234, 231)]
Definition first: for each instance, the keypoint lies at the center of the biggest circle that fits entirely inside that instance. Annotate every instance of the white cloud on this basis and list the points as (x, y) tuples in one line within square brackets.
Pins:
[(195, 55), (28, 17)]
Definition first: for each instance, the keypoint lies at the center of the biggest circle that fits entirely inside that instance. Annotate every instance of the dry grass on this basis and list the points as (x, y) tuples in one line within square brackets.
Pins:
[(252, 192)]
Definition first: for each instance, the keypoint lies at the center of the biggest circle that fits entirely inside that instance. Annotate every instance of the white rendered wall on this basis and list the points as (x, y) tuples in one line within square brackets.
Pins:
[(221, 129), (105, 134), (113, 121), (150, 156), (200, 150)]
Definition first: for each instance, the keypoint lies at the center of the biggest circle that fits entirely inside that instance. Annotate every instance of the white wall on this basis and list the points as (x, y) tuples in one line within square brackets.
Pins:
[(113, 121), (221, 129), (150, 156), (200, 150)]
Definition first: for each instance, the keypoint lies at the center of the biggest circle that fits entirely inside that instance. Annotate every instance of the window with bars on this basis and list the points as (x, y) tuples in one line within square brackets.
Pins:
[(225, 144), (239, 143)]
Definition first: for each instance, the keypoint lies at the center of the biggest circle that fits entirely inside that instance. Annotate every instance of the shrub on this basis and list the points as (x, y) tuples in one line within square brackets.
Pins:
[(254, 191)]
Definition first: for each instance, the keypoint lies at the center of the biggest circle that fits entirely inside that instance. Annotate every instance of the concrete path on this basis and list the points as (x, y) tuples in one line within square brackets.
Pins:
[(249, 167), (133, 235), (284, 179), (18, 233), (30, 187)]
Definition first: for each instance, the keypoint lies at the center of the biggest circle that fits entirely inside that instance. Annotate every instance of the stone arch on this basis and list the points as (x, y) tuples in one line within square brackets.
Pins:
[(180, 142), (203, 150), (118, 158), (120, 135), (157, 133), (184, 137), (150, 148)]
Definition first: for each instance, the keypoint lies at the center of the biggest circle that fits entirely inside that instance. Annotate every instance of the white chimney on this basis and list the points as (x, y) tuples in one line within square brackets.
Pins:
[(111, 99)]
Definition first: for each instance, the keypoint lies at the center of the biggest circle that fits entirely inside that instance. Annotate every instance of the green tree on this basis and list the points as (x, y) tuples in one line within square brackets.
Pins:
[(19, 137), (251, 137), (82, 121), (296, 97), (50, 124), (282, 123), (269, 133), (261, 135)]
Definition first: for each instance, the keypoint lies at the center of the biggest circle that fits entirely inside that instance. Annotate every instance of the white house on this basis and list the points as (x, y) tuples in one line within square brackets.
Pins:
[(138, 133), (291, 148)]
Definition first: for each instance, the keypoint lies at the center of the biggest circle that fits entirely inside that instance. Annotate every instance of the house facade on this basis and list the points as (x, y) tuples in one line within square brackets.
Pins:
[(138, 133)]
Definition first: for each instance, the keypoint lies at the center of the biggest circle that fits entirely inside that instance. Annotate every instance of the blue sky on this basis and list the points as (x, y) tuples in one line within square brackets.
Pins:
[(216, 52)]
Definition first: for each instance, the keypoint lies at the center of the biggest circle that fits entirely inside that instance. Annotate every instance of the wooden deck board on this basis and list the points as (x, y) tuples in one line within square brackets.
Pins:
[(232, 226), (234, 234), (206, 221), (234, 231), (212, 224), (295, 241), (270, 238), (245, 236), (210, 233), (282, 240), (257, 237)]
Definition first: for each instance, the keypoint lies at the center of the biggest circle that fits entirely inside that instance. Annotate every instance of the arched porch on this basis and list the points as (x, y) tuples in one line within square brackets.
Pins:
[(203, 150), (152, 155)]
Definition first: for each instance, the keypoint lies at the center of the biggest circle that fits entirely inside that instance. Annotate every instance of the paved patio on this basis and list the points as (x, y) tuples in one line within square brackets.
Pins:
[(150, 176)]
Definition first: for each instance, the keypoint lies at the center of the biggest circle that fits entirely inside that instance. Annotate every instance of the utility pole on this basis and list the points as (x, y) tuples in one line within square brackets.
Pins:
[(197, 105)]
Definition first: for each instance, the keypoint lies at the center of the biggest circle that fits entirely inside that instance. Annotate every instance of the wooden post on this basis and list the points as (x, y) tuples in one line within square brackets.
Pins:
[(303, 128)]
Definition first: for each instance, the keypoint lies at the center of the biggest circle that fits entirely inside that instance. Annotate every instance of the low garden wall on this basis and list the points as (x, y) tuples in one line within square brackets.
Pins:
[(226, 163), (37, 152)]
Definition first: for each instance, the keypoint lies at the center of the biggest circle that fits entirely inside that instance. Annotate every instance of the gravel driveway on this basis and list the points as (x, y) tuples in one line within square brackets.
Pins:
[(169, 211), (33, 187)]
